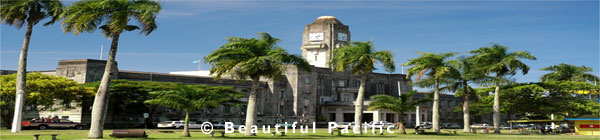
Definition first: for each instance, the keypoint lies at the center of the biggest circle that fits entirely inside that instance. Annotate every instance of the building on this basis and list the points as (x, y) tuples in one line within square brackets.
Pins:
[(319, 96)]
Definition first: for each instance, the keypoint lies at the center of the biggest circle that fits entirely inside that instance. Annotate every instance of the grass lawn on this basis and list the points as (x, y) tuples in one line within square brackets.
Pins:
[(321, 134)]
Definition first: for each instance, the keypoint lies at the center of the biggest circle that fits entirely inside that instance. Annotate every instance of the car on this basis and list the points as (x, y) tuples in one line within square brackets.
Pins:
[(480, 126), (382, 124), (221, 125), (449, 126), (505, 127), (426, 125), (170, 124), (282, 125), (43, 124)]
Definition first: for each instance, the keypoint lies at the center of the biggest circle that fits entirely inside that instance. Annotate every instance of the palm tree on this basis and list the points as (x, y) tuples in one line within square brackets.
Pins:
[(498, 62), (467, 72), (360, 58), (437, 68), (401, 104), (568, 72), (17, 13), (253, 58), (87, 16), (191, 98)]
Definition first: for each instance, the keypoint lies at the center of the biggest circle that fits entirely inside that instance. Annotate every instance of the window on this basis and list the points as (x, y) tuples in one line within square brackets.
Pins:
[(306, 109), (379, 88), (307, 95), (347, 97), (226, 109), (341, 83), (306, 80)]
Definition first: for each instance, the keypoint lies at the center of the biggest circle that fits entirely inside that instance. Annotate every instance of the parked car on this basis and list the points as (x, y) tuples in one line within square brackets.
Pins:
[(505, 127), (449, 126), (382, 124), (221, 125), (51, 123), (171, 124), (480, 126), (426, 125)]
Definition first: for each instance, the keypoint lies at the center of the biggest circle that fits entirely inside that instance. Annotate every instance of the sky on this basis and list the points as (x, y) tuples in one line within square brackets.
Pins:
[(553, 31)]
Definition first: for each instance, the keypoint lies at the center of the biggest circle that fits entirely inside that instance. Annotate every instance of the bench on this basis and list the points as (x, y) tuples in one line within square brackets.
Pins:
[(421, 131), (275, 133), (450, 131), (339, 132), (129, 134), (37, 136), (212, 134)]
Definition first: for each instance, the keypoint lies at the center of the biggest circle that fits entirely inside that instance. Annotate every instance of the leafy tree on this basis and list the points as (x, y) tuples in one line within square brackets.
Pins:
[(127, 94), (87, 16), (46, 91), (437, 68), (401, 104), (360, 58), (561, 94), (460, 82), (498, 62), (253, 58), (17, 13), (191, 98), (568, 72)]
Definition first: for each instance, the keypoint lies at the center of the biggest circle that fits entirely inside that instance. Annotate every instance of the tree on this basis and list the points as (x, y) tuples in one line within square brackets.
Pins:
[(127, 94), (253, 58), (401, 104), (191, 98), (437, 68), (45, 91), (498, 62), (460, 82), (87, 15), (360, 59), (17, 13), (568, 72)]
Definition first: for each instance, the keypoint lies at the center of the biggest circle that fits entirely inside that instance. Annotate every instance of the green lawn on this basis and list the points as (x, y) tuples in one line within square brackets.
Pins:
[(321, 134)]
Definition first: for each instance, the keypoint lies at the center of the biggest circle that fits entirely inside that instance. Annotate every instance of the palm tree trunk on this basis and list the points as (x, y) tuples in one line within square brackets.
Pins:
[(358, 111), (186, 130), (496, 108), (21, 77), (401, 123), (436, 107), (251, 110), (101, 100), (466, 115)]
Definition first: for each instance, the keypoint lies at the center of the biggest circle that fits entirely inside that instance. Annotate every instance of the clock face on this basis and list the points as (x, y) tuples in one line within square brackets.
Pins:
[(315, 36), (342, 37)]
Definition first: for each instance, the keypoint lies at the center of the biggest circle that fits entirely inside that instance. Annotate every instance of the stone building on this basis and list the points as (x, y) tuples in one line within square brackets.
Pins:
[(319, 96)]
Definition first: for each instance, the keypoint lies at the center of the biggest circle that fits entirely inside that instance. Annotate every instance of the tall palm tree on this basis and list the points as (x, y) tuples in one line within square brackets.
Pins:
[(568, 72), (437, 68), (401, 104), (360, 59), (498, 62), (17, 13), (112, 17), (253, 58), (191, 98), (467, 73)]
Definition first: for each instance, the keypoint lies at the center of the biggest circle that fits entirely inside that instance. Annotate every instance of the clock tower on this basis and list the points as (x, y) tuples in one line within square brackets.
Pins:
[(321, 37)]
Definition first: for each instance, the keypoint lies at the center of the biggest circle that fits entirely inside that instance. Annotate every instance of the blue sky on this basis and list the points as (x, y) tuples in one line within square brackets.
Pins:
[(553, 31)]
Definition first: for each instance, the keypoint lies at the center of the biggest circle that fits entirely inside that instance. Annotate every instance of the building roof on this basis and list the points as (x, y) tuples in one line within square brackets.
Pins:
[(327, 19), (581, 119)]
